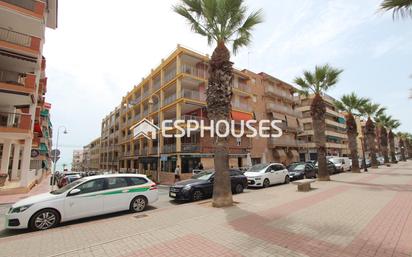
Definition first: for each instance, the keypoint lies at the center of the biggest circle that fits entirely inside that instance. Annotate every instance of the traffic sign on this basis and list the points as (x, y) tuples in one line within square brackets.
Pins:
[(57, 158), (55, 152)]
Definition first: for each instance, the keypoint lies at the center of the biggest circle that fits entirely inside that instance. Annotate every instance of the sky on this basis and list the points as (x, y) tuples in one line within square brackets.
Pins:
[(102, 48)]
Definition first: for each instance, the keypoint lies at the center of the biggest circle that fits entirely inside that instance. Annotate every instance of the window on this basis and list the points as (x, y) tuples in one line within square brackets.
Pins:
[(135, 181), (116, 182), (238, 141), (235, 173), (91, 186), (278, 167)]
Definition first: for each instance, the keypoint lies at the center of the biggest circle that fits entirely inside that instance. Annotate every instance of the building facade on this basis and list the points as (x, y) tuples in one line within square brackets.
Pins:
[(336, 137), (25, 127), (274, 99), (110, 136), (91, 156), (176, 90), (77, 162)]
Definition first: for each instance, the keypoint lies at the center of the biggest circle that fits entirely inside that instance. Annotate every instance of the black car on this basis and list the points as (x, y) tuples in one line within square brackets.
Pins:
[(331, 167), (301, 170), (200, 186)]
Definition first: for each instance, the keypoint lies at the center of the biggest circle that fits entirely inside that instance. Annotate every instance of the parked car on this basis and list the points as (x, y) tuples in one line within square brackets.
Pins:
[(89, 196), (380, 160), (341, 163), (368, 163), (331, 167), (200, 186), (302, 170), (67, 179), (264, 175)]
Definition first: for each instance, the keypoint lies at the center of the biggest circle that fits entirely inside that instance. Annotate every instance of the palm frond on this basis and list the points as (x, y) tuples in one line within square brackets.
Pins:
[(320, 80), (399, 8)]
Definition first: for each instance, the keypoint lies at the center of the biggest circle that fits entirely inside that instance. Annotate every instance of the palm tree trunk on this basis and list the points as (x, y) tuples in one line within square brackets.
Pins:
[(371, 136), (218, 97), (402, 146), (352, 132), (392, 146), (384, 144), (318, 110)]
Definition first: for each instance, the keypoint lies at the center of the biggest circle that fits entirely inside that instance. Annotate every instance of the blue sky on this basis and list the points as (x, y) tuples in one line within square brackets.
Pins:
[(101, 49)]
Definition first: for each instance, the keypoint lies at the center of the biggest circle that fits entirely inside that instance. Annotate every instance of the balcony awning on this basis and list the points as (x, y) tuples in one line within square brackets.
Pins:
[(50, 124), (43, 148), (37, 128), (292, 121), (278, 116), (293, 154), (280, 155), (239, 116), (44, 113)]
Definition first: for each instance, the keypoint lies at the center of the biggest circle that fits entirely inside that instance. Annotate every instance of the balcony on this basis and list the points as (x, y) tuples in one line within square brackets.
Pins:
[(241, 106), (14, 81), (169, 75), (156, 84), (194, 71), (169, 148), (242, 86), (272, 91), (273, 107), (12, 39), (191, 148), (283, 141), (169, 99), (153, 150), (194, 95), (33, 6), (15, 122), (144, 151)]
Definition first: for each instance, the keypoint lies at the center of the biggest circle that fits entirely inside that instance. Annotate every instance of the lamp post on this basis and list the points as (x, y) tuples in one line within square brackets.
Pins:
[(158, 141), (55, 154)]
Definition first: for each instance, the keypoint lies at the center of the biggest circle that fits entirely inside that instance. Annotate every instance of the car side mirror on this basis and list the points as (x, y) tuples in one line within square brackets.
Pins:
[(74, 191)]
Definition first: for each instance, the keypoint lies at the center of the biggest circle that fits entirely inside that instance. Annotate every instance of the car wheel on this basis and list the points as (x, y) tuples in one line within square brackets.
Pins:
[(239, 189), (197, 195), (287, 179), (44, 219), (266, 183), (138, 204)]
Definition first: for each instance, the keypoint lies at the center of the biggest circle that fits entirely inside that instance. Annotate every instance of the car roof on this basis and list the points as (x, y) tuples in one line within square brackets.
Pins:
[(116, 175)]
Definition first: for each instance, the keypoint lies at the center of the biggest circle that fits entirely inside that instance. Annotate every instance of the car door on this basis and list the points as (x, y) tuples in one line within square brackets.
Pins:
[(270, 174), (309, 171), (117, 196), (235, 178), (279, 174), (87, 202)]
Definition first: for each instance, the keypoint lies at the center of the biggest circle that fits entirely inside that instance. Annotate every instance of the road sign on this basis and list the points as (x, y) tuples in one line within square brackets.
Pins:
[(55, 152), (34, 153), (57, 158)]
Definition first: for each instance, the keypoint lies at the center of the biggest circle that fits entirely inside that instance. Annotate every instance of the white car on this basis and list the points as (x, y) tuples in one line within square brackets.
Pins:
[(341, 163), (88, 196), (264, 175)]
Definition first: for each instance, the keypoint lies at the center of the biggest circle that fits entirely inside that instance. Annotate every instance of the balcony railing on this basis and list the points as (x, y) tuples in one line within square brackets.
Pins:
[(283, 109), (169, 75), (156, 84), (242, 86), (195, 95), (15, 37), (25, 4), (144, 151), (242, 106), (278, 92), (15, 120), (11, 77), (169, 148), (169, 99), (194, 71), (283, 141), (191, 148), (153, 150)]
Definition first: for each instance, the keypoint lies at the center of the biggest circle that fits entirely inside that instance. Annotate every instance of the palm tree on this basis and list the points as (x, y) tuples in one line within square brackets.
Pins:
[(383, 122), (399, 8), (350, 104), (402, 137), (221, 22), (318, 82), (392, 124), (372, 111)]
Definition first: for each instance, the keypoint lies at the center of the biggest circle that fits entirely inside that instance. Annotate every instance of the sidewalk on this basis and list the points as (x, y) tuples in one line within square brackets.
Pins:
[(365, 215), (43, 187)]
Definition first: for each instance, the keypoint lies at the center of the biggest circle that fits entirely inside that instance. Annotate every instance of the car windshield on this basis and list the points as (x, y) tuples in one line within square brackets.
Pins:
[(204, 175), (298, 167), (257, 168), (67, 187), (335, 161)]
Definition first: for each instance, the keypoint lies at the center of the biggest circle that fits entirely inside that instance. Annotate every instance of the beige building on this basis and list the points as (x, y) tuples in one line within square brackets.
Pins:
[(77, 162), (110, 135), (91, 155), (336, 138), (25, 127), (274, 99)]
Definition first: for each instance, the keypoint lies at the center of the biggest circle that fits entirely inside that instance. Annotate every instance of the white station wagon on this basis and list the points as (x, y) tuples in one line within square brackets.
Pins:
[(89, 196), (264, 175)]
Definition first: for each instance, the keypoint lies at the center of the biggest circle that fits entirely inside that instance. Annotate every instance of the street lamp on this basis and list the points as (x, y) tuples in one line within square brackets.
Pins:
[(158, 140), (55, 153)]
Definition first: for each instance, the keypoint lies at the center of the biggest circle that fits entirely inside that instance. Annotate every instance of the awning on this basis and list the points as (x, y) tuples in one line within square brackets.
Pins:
[(44, 113), (50, 124), (239, 116), (278, 116), (43, 148), (37, 128), (293, 154), (280, 155), (292, 122)]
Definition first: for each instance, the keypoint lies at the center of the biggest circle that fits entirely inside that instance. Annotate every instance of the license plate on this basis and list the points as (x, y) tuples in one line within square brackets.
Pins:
[(172, 194)]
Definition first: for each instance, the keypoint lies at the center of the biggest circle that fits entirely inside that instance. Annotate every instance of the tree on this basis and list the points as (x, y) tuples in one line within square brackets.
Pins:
[(402, 138), (383, 122), (350, 105), (318, 82), (392, 124), (371, 111), (399, 8), (221, 22)]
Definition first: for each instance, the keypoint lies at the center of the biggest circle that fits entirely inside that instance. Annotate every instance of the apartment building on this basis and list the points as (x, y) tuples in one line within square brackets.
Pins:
[(110, 136), (176, 90), (336, 137), (77, 162), (274, 99), (91, 156), (25, 127)]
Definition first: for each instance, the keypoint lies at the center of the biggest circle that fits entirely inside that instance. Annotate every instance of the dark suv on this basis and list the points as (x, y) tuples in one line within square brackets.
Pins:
[(200, 186)]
